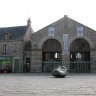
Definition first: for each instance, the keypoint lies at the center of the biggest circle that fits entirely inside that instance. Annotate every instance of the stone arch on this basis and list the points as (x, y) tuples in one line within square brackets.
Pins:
[(51, 45), (85, 38), (80, 55), (27, 56), (51, 54), (41, 43), (79, 44)]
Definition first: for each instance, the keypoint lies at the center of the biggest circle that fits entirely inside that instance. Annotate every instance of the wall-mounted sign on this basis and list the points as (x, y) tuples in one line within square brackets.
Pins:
[(65, 44), (6, 62), (80, 31), (51, 31)]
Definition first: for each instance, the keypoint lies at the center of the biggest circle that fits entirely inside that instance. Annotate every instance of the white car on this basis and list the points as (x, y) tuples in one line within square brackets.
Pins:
[(61, 71)]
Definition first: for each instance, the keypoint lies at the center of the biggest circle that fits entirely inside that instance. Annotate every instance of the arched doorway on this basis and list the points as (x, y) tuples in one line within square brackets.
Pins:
[(51, 55), (27, 55), (80, 56)]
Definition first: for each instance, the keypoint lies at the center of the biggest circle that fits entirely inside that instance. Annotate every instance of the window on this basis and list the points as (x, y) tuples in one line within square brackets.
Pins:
[(5, 49), (80, 31), (51, 31), (65, 43)]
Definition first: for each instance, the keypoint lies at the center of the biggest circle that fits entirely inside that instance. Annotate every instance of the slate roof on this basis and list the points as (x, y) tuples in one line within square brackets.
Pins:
[(14, 32)]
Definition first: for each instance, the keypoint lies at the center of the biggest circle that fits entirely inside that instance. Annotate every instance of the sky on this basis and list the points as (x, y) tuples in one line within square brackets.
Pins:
[(45, 12)]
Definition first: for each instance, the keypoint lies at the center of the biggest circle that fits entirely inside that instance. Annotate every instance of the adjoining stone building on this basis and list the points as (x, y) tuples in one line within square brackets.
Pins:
[(65, 42), (12, 46)]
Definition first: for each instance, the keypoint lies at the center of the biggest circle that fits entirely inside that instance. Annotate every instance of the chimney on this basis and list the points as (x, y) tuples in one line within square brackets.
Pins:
[(65, 16), (65, 21), (29, 22)]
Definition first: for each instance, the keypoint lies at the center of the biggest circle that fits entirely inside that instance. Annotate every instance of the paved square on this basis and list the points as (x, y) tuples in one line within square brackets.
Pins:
[(44, 84)]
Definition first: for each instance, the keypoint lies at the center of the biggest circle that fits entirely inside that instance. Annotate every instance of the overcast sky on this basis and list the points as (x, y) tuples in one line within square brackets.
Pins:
[(45, 12)]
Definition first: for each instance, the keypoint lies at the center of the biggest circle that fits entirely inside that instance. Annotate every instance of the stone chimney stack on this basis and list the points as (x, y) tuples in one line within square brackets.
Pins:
[(65, 15), (65, 21), (29, 22)]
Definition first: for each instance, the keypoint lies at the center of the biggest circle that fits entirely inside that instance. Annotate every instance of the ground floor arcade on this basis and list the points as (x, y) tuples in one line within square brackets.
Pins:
[(78, 58)]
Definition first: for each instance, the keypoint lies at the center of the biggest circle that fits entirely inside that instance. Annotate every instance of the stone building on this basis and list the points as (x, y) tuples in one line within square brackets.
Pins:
[(64, 42), (12, 46)]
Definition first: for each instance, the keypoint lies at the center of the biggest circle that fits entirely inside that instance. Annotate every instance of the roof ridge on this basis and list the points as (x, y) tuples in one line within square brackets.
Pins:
[(13, 27)]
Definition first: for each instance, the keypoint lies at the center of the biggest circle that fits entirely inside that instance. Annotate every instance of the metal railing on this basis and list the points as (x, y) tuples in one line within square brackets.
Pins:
[(75, 66), (48, 66), (79, 66)]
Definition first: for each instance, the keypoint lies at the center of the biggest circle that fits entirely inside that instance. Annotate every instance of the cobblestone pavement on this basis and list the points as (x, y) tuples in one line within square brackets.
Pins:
[(44, 84)]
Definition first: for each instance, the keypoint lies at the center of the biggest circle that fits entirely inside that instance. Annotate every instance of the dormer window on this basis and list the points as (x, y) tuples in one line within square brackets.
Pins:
[(6, 37)]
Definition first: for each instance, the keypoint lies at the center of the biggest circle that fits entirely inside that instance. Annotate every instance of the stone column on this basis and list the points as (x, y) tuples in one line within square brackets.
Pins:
[(36, 60), (66, 60), (93, 60)]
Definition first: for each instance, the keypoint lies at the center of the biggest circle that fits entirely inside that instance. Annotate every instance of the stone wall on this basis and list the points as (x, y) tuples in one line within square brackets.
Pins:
[(36, 60), (15, 50), (93, 60)]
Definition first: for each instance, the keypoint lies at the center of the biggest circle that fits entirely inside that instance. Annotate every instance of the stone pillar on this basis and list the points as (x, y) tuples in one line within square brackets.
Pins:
[(93, 61), (66, 60), (36, 60)]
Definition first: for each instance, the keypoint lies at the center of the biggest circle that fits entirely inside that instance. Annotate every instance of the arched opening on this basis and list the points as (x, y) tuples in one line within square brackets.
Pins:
[(27, 46), (51, 55), (80, 56), (27, 54)]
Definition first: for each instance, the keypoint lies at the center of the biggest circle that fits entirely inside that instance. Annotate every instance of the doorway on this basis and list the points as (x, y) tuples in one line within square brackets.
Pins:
[(27, 64), (80, 56), (51, 55)]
